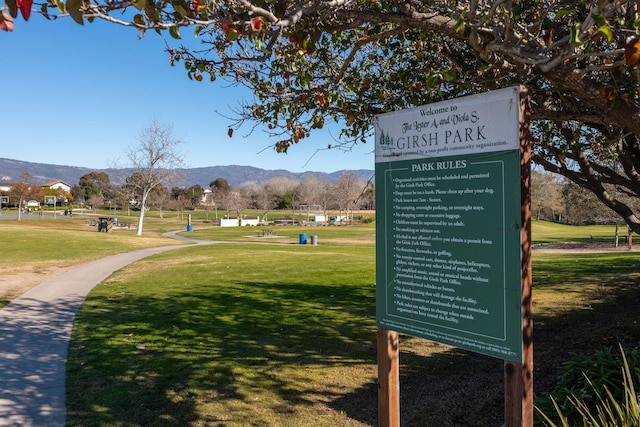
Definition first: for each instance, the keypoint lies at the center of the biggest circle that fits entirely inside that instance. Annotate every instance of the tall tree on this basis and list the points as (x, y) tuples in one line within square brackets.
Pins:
[(187, 198), (236, 201), (94, 184), (346, 192), (25, 190), (283, 190), (581, 207), (220, 188), (250, 191), (196, 194), (159, 198), (180, 200), (96, 187), (155, 159), (221, 185), (265, 201), (310, 189), (314, 62), (546, 195)]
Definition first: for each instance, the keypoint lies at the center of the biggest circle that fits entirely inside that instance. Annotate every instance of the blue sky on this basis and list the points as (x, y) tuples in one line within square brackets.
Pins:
[(80, 95)]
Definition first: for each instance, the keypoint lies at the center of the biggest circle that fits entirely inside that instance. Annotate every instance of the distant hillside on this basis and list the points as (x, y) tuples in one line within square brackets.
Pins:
[(11, 171)]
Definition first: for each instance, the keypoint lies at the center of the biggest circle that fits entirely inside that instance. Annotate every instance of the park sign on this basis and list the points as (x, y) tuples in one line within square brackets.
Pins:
[(449, 224)]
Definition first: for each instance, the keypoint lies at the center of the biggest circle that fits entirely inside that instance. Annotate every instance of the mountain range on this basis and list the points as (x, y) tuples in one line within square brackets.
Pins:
[(41, 173)]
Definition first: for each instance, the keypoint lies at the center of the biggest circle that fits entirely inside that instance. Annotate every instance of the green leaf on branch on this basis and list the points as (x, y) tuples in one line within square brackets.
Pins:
[(563, 12), (138, 19), (599, 19), (44, 11), (606, 31), (180, 9), (13, 7), (60, 5), (449, 75), (575, 38), (174, 32), (432, 81), (304, 80), (232, 35), (318, 121), (139, 4), (73, 9)]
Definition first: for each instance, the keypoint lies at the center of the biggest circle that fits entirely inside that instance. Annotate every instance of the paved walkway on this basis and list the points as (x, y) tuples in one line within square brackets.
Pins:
[(34, 338)]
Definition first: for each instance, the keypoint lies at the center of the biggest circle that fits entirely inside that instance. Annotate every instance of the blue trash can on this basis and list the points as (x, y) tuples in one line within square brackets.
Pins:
[(303, 239)]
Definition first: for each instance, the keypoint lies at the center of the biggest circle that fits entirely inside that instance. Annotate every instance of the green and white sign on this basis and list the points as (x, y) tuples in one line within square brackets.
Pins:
[(449, 223)]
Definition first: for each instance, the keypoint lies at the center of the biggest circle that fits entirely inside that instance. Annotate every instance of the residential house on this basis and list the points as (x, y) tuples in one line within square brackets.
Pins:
[(58, 185)]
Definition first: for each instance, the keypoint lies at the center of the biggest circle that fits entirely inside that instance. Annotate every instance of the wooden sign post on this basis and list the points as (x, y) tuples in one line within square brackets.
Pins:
[(388, 379), (518, 377)]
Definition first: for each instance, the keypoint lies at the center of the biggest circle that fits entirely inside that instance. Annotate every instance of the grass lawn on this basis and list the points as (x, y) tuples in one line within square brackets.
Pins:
[(552, 232), (229, 335), (326, 235), (52, 242), (280, 334), (36, 246)]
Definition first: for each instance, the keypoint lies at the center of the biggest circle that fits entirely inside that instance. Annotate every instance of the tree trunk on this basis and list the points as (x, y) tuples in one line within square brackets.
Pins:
[(140, 221), (20, 209), (143, 205)]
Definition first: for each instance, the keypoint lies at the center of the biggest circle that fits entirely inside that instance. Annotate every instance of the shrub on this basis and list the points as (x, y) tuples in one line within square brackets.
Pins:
[(599, 391), (364, 219)]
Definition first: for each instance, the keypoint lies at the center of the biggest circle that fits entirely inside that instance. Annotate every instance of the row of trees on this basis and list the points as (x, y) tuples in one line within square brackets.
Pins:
[(347, 193), (553, 198)]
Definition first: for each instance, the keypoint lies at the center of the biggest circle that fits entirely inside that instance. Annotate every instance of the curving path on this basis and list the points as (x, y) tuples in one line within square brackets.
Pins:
[(35, 329)]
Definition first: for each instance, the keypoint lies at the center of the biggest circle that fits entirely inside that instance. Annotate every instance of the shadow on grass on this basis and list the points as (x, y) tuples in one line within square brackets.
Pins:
[(265, 354), (590, 302), (450, 388), (581, 304), (214, 353), (232, 348)]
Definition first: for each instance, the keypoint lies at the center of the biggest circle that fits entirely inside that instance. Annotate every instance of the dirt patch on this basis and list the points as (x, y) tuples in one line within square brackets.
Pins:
[(19, 281), (584, 247)]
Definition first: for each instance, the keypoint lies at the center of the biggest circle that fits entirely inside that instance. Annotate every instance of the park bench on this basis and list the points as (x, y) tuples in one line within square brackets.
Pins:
[(105, 225)]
